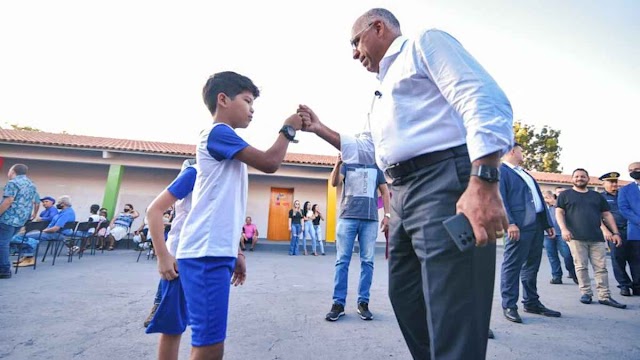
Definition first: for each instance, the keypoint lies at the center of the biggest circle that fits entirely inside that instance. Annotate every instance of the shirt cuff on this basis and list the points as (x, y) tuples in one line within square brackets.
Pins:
[(488, 141)]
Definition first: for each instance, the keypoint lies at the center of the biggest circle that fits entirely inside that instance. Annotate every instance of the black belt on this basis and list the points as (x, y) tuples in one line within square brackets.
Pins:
[(405, 168)]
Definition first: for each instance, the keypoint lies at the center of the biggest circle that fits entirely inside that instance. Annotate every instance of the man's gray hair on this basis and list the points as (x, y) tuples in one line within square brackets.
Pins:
[(64, 199), (386, 16)]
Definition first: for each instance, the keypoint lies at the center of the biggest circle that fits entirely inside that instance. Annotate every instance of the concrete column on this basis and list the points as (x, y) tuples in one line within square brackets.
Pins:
[(112, 188), (332, 195)]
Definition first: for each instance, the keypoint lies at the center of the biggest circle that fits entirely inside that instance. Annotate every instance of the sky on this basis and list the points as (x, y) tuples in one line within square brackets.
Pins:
[(135, 69)]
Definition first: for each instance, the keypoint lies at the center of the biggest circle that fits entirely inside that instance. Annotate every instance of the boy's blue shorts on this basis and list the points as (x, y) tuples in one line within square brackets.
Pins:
[(206, 283), (171, 317)]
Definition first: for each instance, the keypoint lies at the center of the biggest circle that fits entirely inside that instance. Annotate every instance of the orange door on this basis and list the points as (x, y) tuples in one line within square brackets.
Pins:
[(279, 206)]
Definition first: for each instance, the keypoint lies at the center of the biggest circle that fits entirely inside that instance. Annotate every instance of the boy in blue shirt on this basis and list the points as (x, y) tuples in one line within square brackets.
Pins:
[(208, 252), (169, 316)]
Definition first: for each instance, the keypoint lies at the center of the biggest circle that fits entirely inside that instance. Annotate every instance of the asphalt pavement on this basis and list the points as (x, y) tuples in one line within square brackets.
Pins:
[(94, 307)]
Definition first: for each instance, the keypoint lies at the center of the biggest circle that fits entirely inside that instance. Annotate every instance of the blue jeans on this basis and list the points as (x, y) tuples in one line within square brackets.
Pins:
[(366, 231), (310, 231), (316, 232), (296, 229), (552, 246), (158, 297), (31, 243), (6, 233)]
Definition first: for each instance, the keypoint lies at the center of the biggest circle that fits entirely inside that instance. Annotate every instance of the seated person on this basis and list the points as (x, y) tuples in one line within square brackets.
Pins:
[(49, 210), (140, 235), (95, 218), (167, 217), (52, 232), (103, 232), (249, 234), (120, 225)]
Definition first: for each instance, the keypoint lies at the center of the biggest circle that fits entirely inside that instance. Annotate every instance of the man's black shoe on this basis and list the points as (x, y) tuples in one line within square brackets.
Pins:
[(491, 336), (542, 310), (556, 281), (612, 303), (5, 275), (625, 291), (512, 315), (585, 299), (574, 277), (363, 311), (337, 310)]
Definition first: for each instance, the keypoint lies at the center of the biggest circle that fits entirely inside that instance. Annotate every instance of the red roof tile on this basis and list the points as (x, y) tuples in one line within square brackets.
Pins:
[(154, 147)]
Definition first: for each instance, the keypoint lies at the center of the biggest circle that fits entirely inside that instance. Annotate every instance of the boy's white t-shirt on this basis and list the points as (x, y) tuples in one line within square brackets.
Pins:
[(219, 198)]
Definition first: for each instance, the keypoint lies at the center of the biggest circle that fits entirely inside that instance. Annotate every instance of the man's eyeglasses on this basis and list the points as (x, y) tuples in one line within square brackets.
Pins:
[(356, 39)]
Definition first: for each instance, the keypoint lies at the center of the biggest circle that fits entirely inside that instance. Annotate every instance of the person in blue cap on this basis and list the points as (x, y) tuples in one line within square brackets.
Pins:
[(49, 210), (618, 258)]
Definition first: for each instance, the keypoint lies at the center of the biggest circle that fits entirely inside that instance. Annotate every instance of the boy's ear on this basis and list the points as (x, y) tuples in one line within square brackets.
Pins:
[(222, 100)]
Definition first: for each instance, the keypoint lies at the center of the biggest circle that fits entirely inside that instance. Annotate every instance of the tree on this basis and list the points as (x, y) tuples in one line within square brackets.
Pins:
[(541, 148), (26, 128)]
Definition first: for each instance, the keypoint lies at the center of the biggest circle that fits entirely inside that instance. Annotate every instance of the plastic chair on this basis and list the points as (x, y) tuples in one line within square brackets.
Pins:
[(59, 242), (31, 227)]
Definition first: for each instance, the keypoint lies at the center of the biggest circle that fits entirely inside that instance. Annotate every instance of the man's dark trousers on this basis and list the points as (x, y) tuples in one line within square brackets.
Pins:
[(522, 262), (441, 297), (629, 252)]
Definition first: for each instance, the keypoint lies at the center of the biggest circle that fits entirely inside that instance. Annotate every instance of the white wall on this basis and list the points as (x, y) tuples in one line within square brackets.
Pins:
[(84, 183), (140, 186), (314, 191)]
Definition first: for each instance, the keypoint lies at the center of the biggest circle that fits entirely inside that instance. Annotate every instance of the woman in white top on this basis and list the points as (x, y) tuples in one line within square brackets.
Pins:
[(308, 227)]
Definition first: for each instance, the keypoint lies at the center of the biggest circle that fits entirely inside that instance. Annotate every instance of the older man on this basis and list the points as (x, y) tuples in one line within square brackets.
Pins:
[(438, 127), (53, 232), (629, 252), (16, 208)]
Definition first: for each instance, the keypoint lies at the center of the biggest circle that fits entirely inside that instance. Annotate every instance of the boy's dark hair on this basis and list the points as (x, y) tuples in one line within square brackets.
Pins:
[(228, 83), (580, 169), (94, 208)]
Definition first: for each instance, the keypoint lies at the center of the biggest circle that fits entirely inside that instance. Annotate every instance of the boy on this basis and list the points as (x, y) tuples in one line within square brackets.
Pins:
[(208, 251), (168, 315)]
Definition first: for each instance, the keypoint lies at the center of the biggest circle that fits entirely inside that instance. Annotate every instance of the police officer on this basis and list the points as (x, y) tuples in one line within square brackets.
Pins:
[(618, 258)]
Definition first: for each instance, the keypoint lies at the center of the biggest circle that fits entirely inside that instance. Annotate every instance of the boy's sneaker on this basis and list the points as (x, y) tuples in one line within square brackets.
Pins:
[(363, 311), (337, 310), (151, 315)]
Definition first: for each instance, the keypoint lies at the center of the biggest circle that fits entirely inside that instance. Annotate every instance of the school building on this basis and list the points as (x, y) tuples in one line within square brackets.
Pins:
[(113, 172)]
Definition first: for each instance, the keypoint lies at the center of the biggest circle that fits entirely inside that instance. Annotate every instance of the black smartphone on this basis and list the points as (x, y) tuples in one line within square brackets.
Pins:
[(460, 231)]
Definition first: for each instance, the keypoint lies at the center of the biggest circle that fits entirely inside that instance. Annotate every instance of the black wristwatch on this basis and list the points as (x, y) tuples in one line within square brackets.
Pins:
[(289, 132), (487, 173)]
